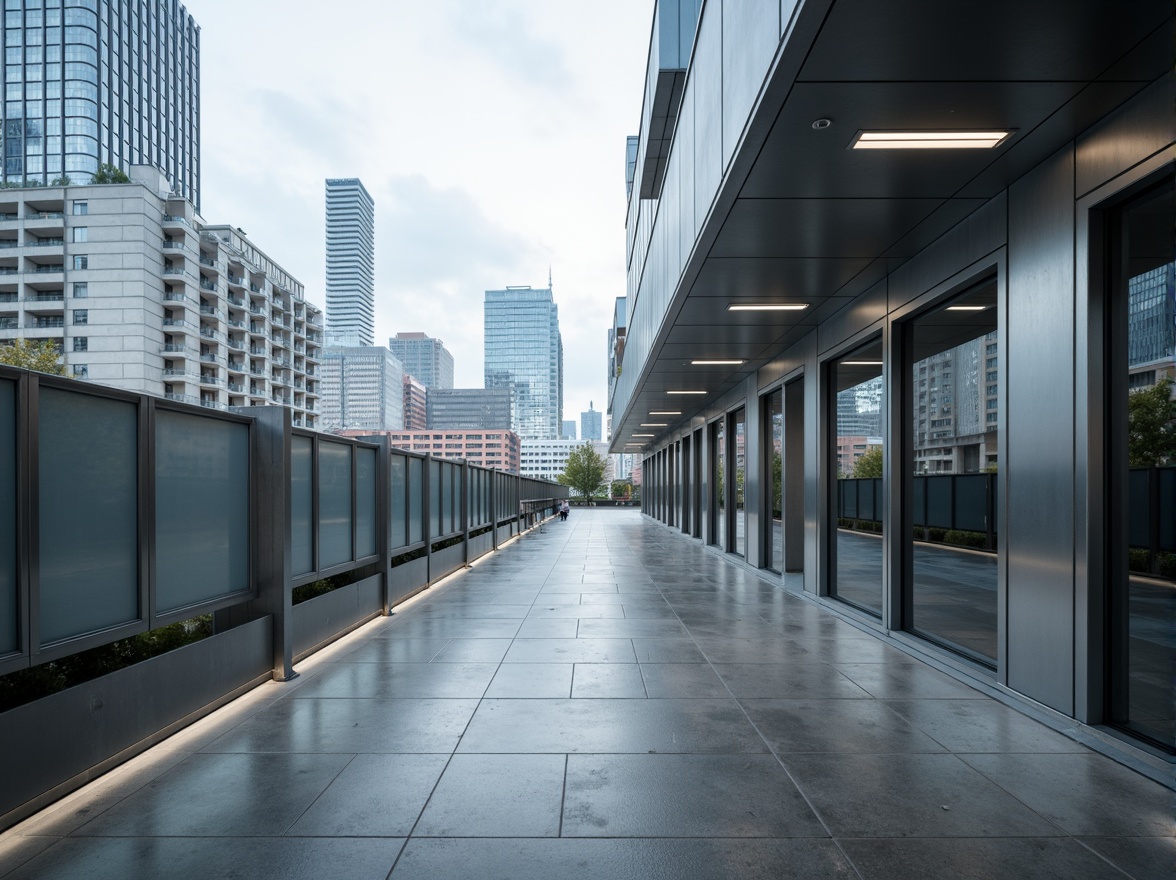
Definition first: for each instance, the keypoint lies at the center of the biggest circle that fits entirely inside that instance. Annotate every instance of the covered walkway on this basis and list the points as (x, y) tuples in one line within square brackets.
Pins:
[(609, 699)]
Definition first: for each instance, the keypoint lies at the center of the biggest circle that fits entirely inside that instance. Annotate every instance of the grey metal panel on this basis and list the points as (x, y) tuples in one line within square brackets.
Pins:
[(706, 79), (751, 31), (331, 615), (753, 480), (1040, 347), (980, 234), (406, 579), (863, 312), (793, 476), (1142, 127), (69, 737)]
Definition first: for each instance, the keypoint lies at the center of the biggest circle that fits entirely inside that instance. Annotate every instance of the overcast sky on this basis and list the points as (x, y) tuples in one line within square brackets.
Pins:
[(490, 134)]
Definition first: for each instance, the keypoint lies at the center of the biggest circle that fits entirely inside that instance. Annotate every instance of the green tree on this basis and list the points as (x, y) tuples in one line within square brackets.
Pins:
[(584, 472), (108, 173), (40, 355), (1151, 426), (621, 489), (777, 485), (869, 465)]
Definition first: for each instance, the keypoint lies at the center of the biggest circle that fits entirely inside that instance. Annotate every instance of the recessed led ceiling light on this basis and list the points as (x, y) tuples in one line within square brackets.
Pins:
[(644, 435), (861, 363), (654, 425), (966, 308), (928, 140), (716, 363), (767, 307), (667, 412), (685, 392)]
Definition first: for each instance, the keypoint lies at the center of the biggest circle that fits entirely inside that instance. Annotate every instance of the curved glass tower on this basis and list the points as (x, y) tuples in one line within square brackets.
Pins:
[(90, 82)]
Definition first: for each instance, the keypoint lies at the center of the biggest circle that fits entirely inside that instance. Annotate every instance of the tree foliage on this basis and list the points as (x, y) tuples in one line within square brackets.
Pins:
[(108, 173), (869, 465), (1151, 425), (584, 472), (40, 355), (621, 489)]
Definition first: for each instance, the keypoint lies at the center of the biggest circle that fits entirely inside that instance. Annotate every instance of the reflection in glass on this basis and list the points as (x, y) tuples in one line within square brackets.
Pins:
[(1142, 471), (301, 505), (739, 421), (720, 446), (774, 423), (9, 629), (953, 381), (857, 571)]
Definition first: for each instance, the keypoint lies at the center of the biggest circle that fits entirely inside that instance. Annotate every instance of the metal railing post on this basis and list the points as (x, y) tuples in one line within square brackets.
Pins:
[(272, 524)]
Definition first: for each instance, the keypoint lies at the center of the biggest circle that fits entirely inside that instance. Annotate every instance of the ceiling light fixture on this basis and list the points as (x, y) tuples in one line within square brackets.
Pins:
[(716, 363), (654, 425), (861, 363), (928, 140), (667, 412), (966, 308), (644, 435), (767, 307), (685, 392)]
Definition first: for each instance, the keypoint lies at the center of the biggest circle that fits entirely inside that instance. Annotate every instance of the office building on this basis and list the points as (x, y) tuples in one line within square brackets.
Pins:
[(351, 262), (416, 416), (425, 358), (948, 244), (456, 408), (568, 432), (140, 294), (362, 388), (545, 459), (524, 351), (590, 424), (490, 449), (97, 83)]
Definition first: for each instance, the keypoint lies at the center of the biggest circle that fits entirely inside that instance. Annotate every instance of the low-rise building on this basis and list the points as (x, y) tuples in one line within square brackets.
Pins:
[(489, 449), (415, 404)]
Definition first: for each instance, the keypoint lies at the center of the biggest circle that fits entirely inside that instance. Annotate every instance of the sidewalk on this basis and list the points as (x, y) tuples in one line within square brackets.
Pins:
[(607, 699)]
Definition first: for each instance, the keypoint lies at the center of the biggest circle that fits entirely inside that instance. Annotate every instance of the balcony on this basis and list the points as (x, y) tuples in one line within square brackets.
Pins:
[(175, 220), (237, 301), (45, 323), (180, 325), (9, 243), (9, 324), (33, 241), (174, 246), (179, 348), (213, 312), (48, 268), (205, 284)]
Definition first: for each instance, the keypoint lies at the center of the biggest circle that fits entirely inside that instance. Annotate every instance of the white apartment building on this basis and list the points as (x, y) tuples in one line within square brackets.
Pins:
[(139, 293), (545, 459)]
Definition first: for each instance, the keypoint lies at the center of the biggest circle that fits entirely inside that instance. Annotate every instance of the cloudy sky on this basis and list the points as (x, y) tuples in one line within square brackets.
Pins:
[(490, 134)]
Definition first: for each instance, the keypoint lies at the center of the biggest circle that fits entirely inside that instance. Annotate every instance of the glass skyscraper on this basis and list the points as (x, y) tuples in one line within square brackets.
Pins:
[(351, 262), (90, 82), (524, 351), (425, 359)]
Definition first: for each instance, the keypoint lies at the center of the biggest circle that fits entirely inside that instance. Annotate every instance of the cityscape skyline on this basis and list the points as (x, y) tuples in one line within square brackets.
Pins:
[(452, 222)]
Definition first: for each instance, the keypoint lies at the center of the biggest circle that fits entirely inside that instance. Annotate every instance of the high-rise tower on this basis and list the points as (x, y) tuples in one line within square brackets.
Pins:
[(351, 262), (101, 82), (524, 351)]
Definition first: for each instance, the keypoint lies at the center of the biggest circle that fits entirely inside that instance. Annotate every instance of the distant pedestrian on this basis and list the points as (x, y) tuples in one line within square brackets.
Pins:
[(564, 510)]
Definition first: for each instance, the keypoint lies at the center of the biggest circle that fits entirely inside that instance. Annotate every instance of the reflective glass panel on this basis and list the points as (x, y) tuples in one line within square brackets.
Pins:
[(953, 380), (739, 435), (397, 501), (720, 486), (416, 486), (774, 425), (89, 519), (857, 421), (201, 509), (436, 512), (1142, 471)]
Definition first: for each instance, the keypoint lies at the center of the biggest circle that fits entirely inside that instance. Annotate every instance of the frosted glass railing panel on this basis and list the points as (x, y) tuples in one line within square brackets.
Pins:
[(201, 509), (397, 500), (334, 487), (453, 487), (9, 633), (89, 518), (436, 477), (416, 483), (301, 505), (365, 502)]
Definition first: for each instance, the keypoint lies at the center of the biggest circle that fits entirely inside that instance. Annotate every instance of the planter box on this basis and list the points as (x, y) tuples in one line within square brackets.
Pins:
[(404, 580), (446, 561), (325, 618), (59, 743)]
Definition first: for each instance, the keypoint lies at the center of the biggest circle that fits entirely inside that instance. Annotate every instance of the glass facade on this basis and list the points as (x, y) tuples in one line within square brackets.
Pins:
[(90, 82), (1141, 473), (351, 263), (774, 426), (524, 351)]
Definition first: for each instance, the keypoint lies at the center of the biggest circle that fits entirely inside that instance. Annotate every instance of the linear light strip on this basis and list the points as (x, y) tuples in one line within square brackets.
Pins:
[(928, 140), (766, 307)]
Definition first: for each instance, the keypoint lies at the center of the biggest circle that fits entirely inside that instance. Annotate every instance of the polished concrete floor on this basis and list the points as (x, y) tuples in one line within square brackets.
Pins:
[(608, 699)]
